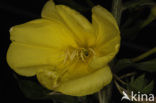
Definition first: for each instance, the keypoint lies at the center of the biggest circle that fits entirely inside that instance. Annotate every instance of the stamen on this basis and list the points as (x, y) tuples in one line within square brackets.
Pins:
[(82, 54), (73, 55), (92, 51), (67, 54)]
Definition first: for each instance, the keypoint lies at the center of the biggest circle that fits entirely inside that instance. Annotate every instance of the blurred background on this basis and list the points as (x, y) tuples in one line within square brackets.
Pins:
[(134, 41)]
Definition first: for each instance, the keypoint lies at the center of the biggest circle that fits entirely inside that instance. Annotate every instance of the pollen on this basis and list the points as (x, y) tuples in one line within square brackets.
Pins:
[(81, 54)]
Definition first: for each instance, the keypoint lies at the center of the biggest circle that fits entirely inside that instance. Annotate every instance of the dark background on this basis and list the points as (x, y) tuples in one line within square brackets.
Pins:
[(13, 12)]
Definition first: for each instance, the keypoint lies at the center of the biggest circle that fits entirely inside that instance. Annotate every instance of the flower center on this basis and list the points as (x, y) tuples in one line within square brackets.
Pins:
[(81, 54)]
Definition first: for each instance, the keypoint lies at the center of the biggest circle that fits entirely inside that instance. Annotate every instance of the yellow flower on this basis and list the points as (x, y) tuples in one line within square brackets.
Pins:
[(66, 52)]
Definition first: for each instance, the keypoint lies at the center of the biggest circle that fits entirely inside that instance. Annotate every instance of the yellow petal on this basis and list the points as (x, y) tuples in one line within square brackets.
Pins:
[(108, 37), (88, 84), (71, 17), (51, 77), (43, 32), (75, 70), (49, 11), (105, 25), (78, 24), (105, 14), (26, 60), (105, 53)]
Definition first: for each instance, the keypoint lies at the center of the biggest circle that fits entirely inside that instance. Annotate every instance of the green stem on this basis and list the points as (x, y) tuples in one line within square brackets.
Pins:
[(102, 96), (120, 89), (117, 10), (144, 55), (121, 81), (127, 75), (148, 20)]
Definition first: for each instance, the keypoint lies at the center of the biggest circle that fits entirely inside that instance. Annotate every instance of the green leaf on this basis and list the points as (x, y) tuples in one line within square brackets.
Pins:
[(148, 66), (32, 90), (148, 88), (123, 63), (140, 84)]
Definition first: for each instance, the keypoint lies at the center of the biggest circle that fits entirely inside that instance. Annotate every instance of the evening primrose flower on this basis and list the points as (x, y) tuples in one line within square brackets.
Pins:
[(66, 52)]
